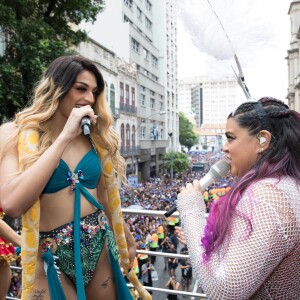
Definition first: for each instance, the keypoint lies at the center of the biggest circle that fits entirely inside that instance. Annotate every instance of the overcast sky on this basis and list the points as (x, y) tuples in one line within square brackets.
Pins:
[(258, 32)]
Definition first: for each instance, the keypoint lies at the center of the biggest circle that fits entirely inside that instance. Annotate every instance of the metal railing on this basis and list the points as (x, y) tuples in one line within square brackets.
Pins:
[(155, 213)]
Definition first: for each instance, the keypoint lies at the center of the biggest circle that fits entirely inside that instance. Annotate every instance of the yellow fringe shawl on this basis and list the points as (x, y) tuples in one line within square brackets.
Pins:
[(28, 144)]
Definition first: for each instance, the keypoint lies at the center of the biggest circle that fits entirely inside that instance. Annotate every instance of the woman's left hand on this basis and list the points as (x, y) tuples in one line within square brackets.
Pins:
[(195, 186)]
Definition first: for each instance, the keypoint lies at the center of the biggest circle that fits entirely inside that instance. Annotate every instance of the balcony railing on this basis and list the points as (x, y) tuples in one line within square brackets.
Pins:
[(115, 112), (130, 150), (127, 108), (155, 213)]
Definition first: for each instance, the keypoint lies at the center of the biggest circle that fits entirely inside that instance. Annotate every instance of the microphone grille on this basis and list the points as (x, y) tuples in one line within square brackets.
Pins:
[(220, 169)]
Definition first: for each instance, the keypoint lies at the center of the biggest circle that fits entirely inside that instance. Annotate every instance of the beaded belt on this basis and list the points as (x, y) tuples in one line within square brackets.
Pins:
[(63, 235)]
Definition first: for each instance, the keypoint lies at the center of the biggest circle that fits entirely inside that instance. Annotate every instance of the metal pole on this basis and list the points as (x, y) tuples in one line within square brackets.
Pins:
[(172, 176), (132, 153), (171, 167)]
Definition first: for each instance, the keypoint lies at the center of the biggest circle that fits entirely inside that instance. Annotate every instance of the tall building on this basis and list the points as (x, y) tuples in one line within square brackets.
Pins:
[(143, 33), (185, 86), (197, 104), (166, 23), (207, 104), (209, 101), (293, 57)]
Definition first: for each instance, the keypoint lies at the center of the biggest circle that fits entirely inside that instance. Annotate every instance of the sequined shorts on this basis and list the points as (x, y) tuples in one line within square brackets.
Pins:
[(93, 232)]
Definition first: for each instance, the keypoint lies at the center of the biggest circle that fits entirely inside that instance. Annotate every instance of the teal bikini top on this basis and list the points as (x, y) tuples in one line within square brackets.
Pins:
[(86, 175)]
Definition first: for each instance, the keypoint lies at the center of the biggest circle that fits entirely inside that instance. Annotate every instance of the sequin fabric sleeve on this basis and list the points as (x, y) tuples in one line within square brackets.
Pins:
[(262, 265)]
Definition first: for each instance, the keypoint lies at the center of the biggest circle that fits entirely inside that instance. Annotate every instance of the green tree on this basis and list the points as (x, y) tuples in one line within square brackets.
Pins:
[(35, 33), (187, 136), (181, 162)]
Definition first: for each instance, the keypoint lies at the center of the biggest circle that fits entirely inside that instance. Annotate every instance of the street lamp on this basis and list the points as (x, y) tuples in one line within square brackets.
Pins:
[(161, 112)]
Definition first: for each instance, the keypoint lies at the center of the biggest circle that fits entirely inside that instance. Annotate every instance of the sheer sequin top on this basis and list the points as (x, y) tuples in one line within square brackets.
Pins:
[(264, 265)]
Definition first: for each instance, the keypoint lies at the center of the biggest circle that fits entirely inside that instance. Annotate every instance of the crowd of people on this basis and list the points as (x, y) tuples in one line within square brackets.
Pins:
[(251, 238), (160, 193)]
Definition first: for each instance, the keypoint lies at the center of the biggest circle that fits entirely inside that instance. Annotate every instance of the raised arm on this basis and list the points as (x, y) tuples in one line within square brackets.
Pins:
[(18, 192)]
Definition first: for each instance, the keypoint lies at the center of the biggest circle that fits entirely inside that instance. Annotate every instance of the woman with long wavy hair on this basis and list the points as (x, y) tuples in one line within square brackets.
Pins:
[(249, 247), (63, 183)]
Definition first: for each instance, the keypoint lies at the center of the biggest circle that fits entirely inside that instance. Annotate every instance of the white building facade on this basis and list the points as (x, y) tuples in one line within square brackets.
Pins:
[(136, 31), (207, 104), (293, 57), (211, 101)]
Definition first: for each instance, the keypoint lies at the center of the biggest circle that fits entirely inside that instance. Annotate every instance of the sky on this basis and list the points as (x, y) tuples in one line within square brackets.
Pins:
[(257, 31)]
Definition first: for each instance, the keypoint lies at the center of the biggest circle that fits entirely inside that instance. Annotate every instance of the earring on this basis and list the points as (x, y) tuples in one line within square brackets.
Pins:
[(261, 149)]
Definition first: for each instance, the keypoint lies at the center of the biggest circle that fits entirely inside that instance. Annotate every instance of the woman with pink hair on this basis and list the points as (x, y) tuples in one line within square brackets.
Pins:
[(249, 247)]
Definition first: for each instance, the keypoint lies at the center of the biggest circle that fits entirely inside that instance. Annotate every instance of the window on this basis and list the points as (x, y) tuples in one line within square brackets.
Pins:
[(155, 78), (161, 104), (128, 3), (112, 98), (122, 135), (142, 100), (121, 92), (127, 135), (148, 4), (145, 53), (139, 14), (148, 23), (161, 133), (133, 96), (154, 61), (106, 91), (143, 132), (127, 93), (135, 46), (133, 135), (152, 103)]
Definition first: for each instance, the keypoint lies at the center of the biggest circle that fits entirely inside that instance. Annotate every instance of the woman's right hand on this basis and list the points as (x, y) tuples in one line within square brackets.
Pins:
[(72, 127), (180, 235)]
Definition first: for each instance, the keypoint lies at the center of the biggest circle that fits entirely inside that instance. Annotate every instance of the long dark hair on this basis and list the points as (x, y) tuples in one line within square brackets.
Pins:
[(282, 158), (65, 69)]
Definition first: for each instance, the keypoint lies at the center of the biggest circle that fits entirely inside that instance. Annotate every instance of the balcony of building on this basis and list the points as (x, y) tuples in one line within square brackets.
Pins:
[(115, 112), (128, 109), (130, 151)]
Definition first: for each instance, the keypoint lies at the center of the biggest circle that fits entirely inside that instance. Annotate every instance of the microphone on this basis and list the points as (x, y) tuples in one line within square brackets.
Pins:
[(86, 125), (216, 172)]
